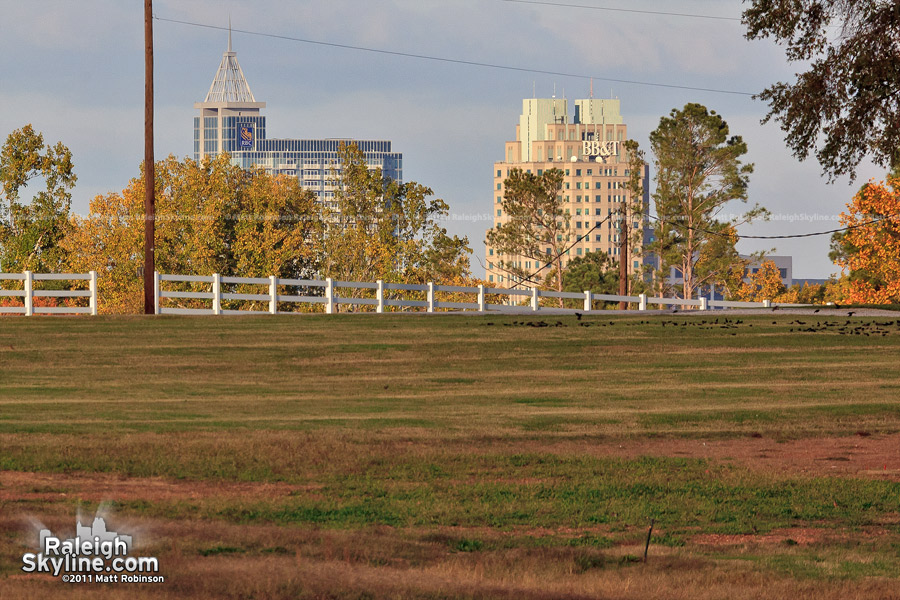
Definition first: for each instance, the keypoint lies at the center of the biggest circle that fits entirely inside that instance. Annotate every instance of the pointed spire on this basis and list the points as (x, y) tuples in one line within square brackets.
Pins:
[(230, 85)]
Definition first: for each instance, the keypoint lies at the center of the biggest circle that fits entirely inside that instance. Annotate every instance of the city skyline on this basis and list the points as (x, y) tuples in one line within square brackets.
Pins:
[(79, 79)]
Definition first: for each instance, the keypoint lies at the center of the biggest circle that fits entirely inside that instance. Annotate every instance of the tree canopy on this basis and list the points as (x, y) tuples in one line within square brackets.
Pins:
[(698, 171), (536, 226), (30, 231), (215, 217), (870, 249), (378, 228), (211, 217), (846, 104)]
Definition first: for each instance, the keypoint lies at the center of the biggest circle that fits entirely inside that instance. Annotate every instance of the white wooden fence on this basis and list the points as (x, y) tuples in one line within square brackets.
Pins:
[(385, 295), (28, 293)]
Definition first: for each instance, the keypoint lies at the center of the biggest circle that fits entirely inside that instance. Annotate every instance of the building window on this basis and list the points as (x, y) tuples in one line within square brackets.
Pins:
[(490, 251), (578, 174), (498, 186), (491, 278), (499, 212)]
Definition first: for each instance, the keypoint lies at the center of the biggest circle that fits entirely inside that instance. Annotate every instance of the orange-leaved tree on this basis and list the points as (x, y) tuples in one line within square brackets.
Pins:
[(765, 284), (212, 217), (870, 249)]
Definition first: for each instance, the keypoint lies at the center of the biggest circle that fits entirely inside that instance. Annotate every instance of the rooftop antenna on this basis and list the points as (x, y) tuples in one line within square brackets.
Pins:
[(554, 89), (592, 87), (534, 89), (229, 33)]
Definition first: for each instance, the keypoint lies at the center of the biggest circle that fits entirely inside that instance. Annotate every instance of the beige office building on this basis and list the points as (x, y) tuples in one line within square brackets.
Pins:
[(589, 149)]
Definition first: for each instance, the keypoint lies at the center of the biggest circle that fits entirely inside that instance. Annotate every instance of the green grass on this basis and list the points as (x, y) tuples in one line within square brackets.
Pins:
[(471, 435), (285, 372)]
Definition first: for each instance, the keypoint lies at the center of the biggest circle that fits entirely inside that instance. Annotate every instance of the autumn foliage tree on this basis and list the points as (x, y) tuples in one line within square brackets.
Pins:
[(379, 228), (212, 217), (869, 250), (764, 284), (31, 230)]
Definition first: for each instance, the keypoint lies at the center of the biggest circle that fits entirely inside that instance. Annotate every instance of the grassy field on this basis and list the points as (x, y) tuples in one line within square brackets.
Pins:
[(414, 456)]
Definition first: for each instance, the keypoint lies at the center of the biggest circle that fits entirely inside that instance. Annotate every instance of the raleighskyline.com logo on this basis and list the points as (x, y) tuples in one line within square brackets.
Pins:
[(94, 555)]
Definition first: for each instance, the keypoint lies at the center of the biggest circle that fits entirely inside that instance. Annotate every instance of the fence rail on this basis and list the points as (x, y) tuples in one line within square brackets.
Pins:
[(28, 293), (326, 292)]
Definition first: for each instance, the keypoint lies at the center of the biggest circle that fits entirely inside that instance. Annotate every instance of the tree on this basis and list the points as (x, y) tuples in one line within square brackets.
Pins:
[(378, 228), (536, 228), (30, 232), (212, 217), (631, 232), (765, 284), (849, 96), (698, 171), (594, 271), (870, 249)]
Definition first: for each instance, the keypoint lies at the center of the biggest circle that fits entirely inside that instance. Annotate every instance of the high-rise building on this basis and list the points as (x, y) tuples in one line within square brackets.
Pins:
[(590, 152), (231, 121)]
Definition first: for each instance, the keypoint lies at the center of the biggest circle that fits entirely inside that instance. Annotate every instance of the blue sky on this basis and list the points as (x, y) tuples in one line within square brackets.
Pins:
[(75, 71)]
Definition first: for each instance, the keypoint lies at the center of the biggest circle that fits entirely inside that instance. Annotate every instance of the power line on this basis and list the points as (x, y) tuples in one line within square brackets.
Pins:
[(458, 61), (769, 237), (578, 239), (624, 10)]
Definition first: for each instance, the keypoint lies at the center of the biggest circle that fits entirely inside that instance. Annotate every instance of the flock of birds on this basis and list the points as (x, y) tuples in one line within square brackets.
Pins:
[(867, 328)]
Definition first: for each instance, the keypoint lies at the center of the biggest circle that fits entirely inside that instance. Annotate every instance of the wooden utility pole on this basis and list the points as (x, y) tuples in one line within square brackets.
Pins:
[(149, 167), (623, 256)]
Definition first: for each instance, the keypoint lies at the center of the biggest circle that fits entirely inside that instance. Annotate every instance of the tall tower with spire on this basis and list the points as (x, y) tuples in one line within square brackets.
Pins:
[(230, 121)]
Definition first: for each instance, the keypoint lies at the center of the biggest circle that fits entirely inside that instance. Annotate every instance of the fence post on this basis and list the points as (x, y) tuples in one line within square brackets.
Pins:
[(29, 293), (273, 295), (93, 288), (329, 295), (379, 295), (217, 294), (431, 296), (156, 301), (587, 300), (704, 303), (535, 302), (481, 304), (643, 302)]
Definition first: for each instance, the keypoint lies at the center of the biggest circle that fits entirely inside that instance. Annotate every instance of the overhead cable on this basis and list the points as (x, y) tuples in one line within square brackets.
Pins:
[(471, 63)]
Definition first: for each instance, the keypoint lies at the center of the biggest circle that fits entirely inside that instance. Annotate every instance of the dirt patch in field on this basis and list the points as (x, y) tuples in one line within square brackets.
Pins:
[(875, 456), (98, 487)]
